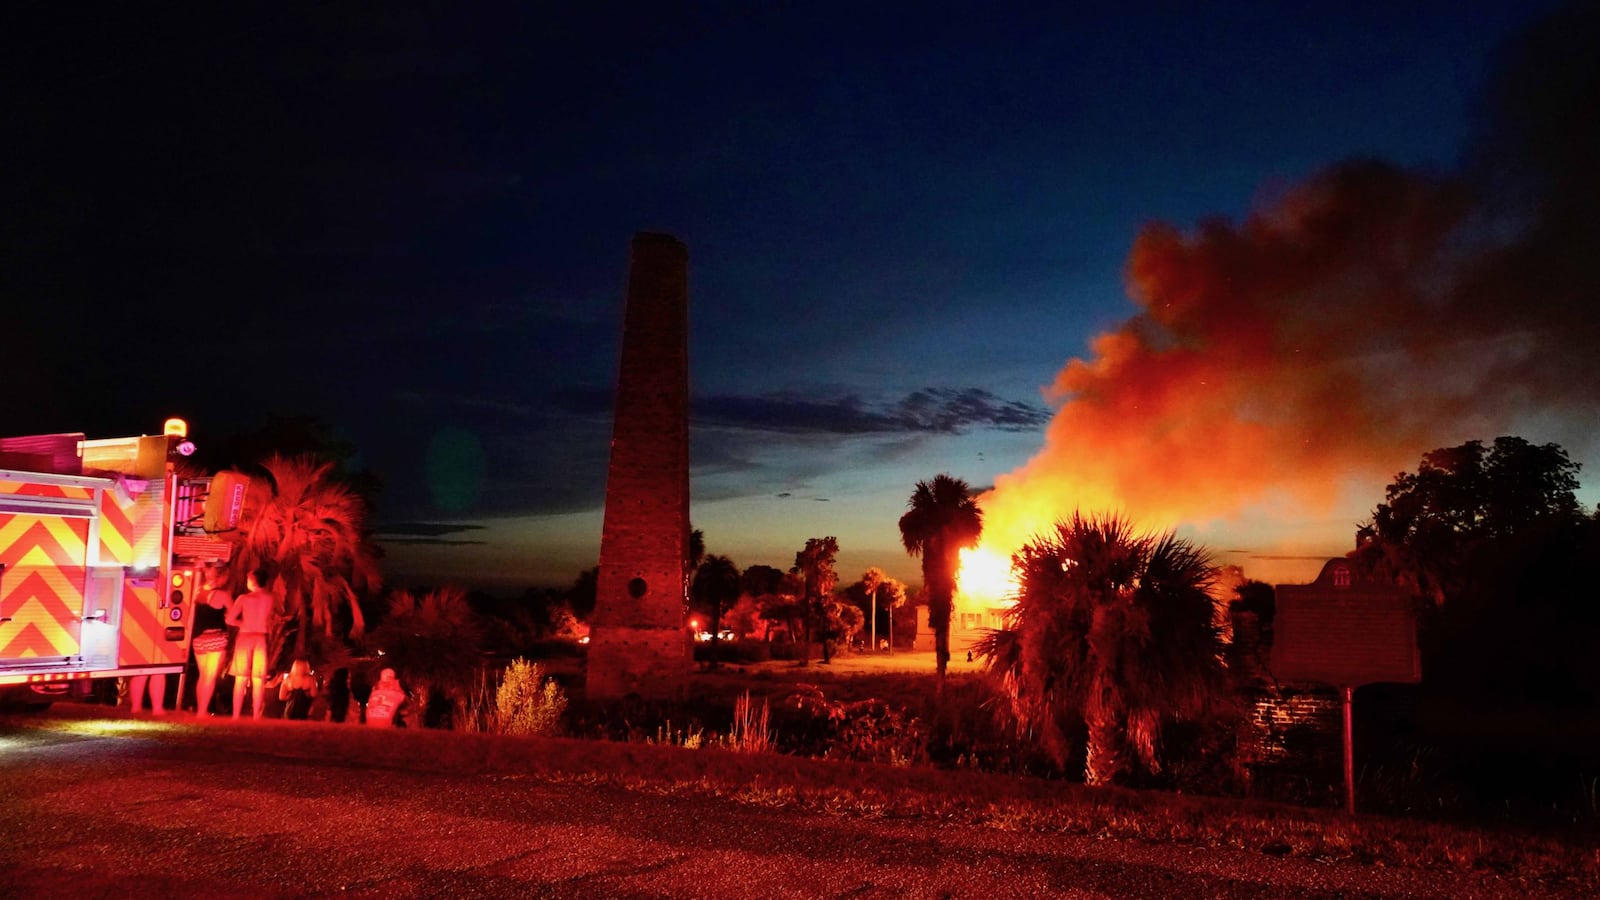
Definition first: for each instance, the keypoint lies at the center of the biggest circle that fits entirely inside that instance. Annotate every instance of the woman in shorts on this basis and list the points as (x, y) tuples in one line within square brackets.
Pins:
[(210, 639)]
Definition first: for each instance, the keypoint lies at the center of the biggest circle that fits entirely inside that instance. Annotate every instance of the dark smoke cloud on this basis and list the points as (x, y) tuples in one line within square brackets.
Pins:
[(1367, 316)]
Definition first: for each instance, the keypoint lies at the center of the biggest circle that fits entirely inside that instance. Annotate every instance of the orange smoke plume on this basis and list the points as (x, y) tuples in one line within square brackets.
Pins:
[(1334, 336), (1343, 330)]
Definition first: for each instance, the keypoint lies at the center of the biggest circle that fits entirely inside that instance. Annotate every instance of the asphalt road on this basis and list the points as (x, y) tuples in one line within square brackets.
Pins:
[(127, 812)]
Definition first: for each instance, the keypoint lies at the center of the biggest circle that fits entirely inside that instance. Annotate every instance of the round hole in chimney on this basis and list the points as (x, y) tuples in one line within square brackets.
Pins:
[(637, 587)]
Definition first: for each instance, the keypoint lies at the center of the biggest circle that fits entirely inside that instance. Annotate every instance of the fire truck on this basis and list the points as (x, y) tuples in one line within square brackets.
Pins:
[(101, 548)]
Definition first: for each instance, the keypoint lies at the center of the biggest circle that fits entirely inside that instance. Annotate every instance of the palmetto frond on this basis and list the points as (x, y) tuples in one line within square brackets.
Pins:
[(310, 533), (1110, 626)]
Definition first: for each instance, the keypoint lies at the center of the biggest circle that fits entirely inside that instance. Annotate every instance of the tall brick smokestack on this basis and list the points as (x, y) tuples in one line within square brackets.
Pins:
[(638, 643)]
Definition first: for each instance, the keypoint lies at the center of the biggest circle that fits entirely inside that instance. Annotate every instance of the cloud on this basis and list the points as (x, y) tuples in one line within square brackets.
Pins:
[(432, 533), (927, 411)]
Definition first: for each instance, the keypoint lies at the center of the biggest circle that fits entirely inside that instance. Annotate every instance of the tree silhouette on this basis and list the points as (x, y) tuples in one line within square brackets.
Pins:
[(942, 519), (814, 567), (774, 592), (1433, 522), (1493, 543), (715, 590)]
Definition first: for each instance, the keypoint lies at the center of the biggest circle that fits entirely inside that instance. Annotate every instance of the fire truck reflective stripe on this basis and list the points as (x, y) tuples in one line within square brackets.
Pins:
[(144, 629), (44, 615), (34, 489), (43, 595), (42, 591), (30, 643), (115, 529), (42, 540), (130, 528)]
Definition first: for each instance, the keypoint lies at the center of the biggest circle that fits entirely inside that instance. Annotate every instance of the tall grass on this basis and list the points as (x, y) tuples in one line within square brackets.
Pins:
[(478, 713), (752, 728), (691, 738)]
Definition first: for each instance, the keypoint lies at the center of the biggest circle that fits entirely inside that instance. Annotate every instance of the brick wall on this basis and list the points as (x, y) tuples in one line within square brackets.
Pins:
[(1292, 742)]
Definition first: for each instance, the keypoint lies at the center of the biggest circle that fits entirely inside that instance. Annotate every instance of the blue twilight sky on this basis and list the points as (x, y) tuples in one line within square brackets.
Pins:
[(903, 220)]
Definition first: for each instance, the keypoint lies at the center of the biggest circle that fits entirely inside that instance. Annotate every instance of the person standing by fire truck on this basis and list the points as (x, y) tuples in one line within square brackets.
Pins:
[(252, 613), (210, 638)]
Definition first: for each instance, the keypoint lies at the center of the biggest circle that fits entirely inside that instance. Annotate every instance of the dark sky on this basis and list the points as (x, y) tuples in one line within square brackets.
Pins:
[(903, 220)]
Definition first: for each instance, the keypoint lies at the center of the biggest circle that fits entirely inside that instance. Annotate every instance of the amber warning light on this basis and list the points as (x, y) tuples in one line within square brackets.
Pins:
[(178, 428)]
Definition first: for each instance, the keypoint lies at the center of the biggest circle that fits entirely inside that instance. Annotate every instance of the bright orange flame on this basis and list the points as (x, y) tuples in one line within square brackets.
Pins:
[(985, 580)]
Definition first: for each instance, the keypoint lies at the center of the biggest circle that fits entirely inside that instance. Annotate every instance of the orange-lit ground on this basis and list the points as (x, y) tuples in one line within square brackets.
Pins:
[(283, 809)]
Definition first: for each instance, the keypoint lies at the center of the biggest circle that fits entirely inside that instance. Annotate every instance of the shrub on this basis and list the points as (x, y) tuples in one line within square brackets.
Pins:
[(874, 731), (753, 650), (527, 703), (971, 728), (865, 730), (786, 650)]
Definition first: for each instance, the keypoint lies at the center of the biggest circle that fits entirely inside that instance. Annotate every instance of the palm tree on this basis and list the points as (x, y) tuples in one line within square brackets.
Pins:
[(942, 519), (1112, 626), (432, 639), (715, 589), (876, 583), (310, 536)]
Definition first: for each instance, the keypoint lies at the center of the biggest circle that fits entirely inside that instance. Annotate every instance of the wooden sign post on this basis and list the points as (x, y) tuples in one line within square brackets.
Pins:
[(1345, 631)]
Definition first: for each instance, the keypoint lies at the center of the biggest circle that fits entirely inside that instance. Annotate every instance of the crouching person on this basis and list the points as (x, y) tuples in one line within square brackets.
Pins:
[(387, 698), (297, 690)]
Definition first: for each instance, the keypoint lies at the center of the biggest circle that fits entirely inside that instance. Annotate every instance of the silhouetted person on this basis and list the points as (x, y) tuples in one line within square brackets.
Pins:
[(361, 690), (339, 695)]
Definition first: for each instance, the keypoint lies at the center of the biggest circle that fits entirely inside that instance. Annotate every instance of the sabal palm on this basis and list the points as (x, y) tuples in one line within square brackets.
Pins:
[(715, 589), (877, 585), (942, 519), (309, 534), (1112, 626)]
